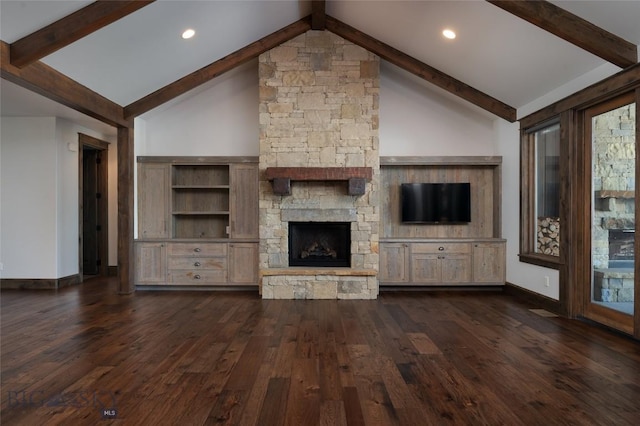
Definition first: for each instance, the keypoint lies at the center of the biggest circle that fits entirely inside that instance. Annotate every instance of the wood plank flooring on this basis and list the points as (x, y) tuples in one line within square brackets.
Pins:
[(229, 358)]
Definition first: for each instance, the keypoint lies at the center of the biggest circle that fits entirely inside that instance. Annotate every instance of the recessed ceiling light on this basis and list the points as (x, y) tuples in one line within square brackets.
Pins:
[(187, 34), (450, 34)]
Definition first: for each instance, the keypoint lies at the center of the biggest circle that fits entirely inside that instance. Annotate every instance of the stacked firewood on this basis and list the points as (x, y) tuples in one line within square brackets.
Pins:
[(549, 236)]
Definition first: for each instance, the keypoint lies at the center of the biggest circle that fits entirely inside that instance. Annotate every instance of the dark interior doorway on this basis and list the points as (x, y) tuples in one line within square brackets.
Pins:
[(93, 208)]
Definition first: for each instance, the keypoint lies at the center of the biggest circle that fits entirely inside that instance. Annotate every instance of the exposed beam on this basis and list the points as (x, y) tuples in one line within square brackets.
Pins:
[(573, 29), (46, 81), (71, 28), (318, 15), (126, 167), (617, 84), (216, 68), (422, 70)]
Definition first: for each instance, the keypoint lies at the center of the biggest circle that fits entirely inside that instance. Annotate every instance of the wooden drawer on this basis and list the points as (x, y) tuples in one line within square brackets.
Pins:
[(197, 277), (197, 263), (197, 249), (432, 248)]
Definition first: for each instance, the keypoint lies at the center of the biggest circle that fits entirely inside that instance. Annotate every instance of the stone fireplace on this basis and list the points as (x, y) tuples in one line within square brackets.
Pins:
[(319, 164)]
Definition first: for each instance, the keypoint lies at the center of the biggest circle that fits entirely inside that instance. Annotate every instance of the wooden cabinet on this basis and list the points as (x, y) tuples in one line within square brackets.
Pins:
[(153, 200), (197, 263), (197, 221), (442, 262), (446, 253), (151, 263), (243, 263), (489, 262), (394, 262), (244, 199)]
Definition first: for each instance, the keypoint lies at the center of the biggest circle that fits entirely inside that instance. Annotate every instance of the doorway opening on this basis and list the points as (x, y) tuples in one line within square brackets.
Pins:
[(93, 206)]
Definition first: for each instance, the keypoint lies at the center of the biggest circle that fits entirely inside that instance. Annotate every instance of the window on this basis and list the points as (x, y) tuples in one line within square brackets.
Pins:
[(540, 227)]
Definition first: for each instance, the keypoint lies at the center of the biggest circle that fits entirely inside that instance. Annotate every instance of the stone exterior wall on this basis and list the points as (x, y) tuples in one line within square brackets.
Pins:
[(614, 153), (613, 286), (319, 108)]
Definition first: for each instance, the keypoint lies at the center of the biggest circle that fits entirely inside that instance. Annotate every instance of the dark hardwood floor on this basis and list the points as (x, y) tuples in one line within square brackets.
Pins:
[(79, 354)]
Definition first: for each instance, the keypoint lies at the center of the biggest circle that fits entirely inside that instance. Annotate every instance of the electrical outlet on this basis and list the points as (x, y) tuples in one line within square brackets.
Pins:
[(546, 281)]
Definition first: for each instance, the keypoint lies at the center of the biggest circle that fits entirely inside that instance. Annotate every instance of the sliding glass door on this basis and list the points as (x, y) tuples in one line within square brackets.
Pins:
[(610, 129)]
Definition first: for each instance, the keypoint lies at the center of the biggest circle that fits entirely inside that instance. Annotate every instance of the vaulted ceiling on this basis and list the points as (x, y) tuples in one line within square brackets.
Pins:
[(496, 53)]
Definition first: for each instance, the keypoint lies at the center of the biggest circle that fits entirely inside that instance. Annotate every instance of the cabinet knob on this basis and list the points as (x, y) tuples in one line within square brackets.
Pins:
[(441, 248), (196, 277), (197, 249), (196, 264)]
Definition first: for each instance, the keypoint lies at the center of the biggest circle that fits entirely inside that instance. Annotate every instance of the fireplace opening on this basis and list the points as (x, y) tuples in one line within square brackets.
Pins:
[(320, 244), (621, 248)]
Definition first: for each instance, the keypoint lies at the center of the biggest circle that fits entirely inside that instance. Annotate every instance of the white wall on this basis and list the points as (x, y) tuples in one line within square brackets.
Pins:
[(67, 136), (28, 225), (223, 120), (524, 275), (219, 121), (36, 213), (416, 119), (507, 136), (39, 197)]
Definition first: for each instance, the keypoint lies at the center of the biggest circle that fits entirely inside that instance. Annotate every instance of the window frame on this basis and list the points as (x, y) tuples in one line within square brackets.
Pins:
[(528, 195)]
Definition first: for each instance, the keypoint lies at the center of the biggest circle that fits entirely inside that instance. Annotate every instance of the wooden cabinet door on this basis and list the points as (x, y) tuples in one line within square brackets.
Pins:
[(456, 268), (394, 262), (151, 263), (489, 262), (243, 263), (426, 268), (153, 200), (244, 200)]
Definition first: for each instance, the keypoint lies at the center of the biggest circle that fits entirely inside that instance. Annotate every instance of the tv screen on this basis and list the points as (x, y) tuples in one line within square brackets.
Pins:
[(436, 202)]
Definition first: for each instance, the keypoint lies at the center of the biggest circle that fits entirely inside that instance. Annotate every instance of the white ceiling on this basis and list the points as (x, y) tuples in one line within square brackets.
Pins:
[(494, 52)]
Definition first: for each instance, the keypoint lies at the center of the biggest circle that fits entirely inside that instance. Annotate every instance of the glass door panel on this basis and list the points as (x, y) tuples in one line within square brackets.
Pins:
[(613, 163)]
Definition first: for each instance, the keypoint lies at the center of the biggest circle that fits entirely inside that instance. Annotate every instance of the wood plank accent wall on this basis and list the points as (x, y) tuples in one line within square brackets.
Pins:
[(481, 172)]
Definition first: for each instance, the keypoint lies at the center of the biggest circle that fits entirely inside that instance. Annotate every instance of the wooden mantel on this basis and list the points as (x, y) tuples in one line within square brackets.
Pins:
[(281, 177)]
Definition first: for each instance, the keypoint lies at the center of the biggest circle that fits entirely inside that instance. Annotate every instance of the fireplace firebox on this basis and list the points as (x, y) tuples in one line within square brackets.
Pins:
[(621, 248), (320, 244)]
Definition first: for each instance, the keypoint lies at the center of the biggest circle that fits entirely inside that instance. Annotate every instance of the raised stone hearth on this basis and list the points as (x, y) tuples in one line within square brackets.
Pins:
[(318, 130)]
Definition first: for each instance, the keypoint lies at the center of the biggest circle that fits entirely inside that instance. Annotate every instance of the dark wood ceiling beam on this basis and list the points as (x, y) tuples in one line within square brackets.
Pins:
[(422, 70), (71, 28), (573, 29), (618, 84), (46, 81), (318, 15), (216, 68)]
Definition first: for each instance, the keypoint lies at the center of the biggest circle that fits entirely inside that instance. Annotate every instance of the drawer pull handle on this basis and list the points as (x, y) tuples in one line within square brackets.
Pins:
[(196, 264), (441, 248), (197, 249), (196, 277)]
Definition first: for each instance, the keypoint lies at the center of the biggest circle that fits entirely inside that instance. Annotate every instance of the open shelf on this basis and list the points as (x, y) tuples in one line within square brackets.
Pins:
[(200, 201)]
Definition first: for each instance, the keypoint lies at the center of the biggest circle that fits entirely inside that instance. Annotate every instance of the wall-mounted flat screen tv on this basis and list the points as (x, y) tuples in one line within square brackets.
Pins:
[(436, 202)]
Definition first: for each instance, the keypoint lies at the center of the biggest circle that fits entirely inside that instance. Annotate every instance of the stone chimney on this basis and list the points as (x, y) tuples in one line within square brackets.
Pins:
[(319, 108)]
